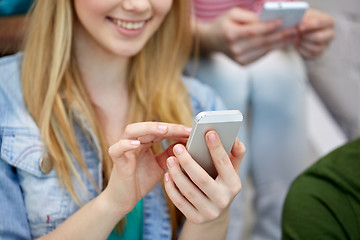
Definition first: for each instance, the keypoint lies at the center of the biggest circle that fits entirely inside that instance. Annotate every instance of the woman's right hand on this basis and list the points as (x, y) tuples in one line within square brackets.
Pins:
[(242, 36), (136, 169)]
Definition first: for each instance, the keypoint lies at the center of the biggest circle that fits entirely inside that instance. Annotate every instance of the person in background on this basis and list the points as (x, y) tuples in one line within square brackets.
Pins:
[(259, 69), (324, 201), (90, 125), (12, 24)]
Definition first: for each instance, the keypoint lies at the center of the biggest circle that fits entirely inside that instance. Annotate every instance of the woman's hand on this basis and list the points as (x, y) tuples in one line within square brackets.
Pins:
[(198, 196), (136, 169), (242, 36), (315, 33)]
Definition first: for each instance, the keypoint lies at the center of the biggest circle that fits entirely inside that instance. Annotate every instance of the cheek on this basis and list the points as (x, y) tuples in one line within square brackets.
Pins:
[(86, 10), (90, 15), (162, 7)]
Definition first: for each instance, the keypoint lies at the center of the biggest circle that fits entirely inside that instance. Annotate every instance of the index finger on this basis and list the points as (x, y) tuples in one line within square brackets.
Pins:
[(314, 20), (224, 166), (242, 16), (318, 37), (254, 29), (156, 131)]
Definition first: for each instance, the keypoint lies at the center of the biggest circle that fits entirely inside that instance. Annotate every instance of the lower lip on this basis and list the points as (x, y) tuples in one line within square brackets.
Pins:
[(129, 32)]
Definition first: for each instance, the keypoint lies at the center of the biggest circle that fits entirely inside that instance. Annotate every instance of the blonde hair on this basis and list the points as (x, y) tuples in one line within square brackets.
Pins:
[(52, 86)]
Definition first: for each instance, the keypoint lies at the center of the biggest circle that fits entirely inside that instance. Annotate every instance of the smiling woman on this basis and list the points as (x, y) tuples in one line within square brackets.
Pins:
[(111, 23), (85, 111)]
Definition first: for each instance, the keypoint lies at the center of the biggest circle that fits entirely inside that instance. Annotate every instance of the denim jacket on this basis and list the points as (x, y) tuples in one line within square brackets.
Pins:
[(32, 200)]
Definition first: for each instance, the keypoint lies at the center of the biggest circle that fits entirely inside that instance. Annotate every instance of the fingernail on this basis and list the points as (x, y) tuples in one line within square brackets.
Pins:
[(302, 27), (166, 177), (178, 149), (277, 23), (188, 129), (293, 32), (212, 137), (162, 127), (135, 142), (170, 161), (316, 24)]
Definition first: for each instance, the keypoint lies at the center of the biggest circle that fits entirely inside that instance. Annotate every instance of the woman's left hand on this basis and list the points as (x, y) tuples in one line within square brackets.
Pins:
[(198, 196), (316, 31), (136, 169)]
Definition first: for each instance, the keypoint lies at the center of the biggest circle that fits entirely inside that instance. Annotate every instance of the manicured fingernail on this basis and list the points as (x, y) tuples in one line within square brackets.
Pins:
[(293, 32), (162, 127), (178, 149), (278, 22), (316, 24), (170, 162), (167, 177), (135, 142), (188, 129), (212, 137)]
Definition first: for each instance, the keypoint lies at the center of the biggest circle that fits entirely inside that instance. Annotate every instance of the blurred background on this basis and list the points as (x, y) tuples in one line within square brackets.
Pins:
[(334, 91)]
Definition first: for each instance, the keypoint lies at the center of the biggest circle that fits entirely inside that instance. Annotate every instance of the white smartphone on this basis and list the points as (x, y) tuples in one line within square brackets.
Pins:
[(225, 123), (290, 13)]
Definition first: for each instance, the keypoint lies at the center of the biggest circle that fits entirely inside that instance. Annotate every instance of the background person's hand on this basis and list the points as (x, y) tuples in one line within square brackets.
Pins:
[(136, 169), (316, 31), (242, 36)]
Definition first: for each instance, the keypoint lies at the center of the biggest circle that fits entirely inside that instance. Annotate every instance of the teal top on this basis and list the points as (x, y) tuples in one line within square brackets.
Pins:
[(324, 201), (14, 7), (133, 225)]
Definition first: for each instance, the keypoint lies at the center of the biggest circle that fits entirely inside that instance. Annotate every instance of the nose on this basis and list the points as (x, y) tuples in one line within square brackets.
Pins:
[(136, 5)]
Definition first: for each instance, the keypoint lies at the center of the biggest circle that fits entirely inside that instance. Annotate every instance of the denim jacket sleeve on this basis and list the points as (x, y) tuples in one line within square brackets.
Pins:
[(13, 220), (29, 193)]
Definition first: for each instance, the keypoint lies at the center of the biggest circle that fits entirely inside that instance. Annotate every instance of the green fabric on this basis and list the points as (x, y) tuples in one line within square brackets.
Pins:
[(133, 225), (324, 202), (14, 7)]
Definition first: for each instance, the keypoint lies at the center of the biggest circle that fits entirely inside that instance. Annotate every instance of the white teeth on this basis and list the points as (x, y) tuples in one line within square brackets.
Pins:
[(129, 25)]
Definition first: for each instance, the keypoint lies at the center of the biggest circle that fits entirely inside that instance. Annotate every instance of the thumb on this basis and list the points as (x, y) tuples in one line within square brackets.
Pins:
[(240, 15), (237, 154), (117, 153)]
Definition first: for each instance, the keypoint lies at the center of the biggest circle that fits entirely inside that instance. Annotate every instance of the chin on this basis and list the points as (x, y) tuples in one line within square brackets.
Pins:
[(125, 52)]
